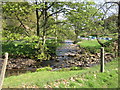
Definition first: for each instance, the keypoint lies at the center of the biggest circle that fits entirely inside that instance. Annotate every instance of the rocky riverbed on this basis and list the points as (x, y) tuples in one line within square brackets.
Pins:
[(72, 55), (68, 55)]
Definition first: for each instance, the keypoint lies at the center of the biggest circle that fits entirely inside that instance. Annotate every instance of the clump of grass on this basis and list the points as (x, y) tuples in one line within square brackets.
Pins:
[(44, 69)]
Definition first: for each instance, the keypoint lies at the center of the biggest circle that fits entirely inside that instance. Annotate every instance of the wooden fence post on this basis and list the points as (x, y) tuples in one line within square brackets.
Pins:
[(3, 70), (102, 60)]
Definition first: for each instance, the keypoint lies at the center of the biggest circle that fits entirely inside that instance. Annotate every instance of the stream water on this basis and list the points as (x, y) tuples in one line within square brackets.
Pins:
[(61, 52), (66, 57)]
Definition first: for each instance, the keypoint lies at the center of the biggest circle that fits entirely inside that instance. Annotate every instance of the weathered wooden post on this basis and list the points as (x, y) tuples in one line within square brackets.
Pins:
[(2, 74), (102, 60)]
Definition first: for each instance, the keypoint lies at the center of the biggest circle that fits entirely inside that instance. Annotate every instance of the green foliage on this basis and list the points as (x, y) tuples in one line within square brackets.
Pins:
[(90, 43), (16, 8), (110, 45), (91, 46), (21, 23), (52, 45), (44, 69), (79, 81), (8, 36), (79, 17), (90, 80), (73, 85), (92, 50), (28, 47), (24, 24), (111, 24), (19, 49)]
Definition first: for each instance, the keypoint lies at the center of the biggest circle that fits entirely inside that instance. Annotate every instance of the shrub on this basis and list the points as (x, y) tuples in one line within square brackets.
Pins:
[(51, 45), (92, 50), (110, 45), (44, 69), (30, 47)]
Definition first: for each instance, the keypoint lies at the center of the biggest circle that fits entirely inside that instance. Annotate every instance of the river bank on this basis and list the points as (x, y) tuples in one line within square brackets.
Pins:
[(67, 55)]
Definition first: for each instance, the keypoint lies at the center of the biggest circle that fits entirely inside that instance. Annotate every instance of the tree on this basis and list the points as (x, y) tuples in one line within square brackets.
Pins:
[(15, 14), (44, 10), (79, 17), (111, 24)]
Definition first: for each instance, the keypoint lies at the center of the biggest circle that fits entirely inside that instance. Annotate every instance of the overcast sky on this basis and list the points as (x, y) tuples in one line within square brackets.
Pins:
[(101, 1)]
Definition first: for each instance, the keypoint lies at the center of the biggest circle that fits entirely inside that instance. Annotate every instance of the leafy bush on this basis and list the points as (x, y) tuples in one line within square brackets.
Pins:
[(92, 50), (52, 45), (26, 47), (91, 46), (44, 69), (110, 45), (29, 47), (16, 49)]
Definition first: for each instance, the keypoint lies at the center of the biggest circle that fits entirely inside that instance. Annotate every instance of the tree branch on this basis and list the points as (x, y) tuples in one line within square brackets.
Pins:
[(22, 24), (54, 13), (50, 6), (100, 42)]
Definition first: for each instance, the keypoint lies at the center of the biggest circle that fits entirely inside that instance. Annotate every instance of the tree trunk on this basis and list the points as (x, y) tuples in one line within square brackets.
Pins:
[(119, 29), (56, 27), (76, 35), (45, 18), (102, 45), (37, 17)]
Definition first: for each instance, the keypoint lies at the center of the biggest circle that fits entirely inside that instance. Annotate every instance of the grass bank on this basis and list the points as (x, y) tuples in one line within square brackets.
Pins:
[(108, 79), (90, 43), (93, 46)]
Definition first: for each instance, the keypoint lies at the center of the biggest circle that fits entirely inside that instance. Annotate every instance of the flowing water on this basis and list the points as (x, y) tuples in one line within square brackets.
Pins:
[(62, 52), (65, 52)]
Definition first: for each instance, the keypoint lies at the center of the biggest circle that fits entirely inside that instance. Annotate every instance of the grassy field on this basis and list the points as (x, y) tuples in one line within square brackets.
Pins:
[(108, 79), (90, 43), (93, 46)]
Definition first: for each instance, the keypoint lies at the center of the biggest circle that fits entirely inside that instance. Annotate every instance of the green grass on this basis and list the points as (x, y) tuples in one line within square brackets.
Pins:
[(36, 78), (108, 79), (92, 46), (40, 79), (90, 43)]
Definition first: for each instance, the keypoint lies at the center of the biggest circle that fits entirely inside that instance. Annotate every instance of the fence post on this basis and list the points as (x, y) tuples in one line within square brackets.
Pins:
[(3, 70), (102, 60)]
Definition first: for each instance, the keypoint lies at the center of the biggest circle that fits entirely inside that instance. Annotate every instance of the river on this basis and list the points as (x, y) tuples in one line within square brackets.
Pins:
[(67, 46), (68, 55)]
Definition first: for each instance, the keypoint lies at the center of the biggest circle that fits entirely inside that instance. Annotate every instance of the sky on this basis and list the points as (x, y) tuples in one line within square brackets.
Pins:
[(98, 1), (101, 1)]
